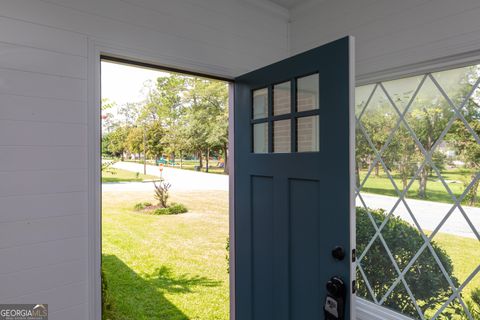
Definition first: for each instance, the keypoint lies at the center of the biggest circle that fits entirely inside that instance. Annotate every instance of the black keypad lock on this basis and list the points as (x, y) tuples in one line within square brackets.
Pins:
[(335, 301)]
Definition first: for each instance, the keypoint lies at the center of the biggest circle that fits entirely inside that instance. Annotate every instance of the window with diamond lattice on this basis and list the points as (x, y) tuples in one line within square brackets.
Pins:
[(418, 197)]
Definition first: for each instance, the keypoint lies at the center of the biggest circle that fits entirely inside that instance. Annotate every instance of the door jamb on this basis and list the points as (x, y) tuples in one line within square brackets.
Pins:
[(96, 51)]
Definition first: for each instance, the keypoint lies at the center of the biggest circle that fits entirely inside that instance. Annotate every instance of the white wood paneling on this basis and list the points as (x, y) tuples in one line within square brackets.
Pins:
[(27, 207), (390, 34), (31, 133), (43, 158), (41, 85), (41, 255), (77, 312), (42, 61), (119, 22), (15, 107), (41, 279), (42, 182), (22, 32), (44, 52), (29, 232)]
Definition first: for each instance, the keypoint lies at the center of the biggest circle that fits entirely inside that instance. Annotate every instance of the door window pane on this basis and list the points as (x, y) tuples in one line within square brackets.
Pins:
[(260, 137), (307, 93), (308, 134), (281, 136), (281, 98), (260, 103)]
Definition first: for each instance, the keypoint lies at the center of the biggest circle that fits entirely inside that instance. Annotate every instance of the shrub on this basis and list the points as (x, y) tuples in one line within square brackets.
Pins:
[(175, 208), (142, 205), (424, 278), (161, 192)]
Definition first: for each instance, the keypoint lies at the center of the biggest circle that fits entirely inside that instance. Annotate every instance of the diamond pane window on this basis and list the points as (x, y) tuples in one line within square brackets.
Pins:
[(418, 194)]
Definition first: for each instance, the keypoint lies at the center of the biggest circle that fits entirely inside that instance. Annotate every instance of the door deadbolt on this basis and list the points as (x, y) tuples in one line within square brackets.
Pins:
[(338, 253)]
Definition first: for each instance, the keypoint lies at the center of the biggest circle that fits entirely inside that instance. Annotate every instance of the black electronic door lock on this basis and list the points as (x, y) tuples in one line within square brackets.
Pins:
[(335, 301)]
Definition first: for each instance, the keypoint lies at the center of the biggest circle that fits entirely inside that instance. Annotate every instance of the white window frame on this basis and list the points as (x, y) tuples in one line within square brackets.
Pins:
[(367, 310)]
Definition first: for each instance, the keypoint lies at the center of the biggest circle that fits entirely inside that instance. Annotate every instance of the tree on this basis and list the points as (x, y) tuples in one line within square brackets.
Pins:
[(114, 143), (465, 144), (379, 121), (134, 142), (154, 133), (207, 117), (165, 106), (428, 121)]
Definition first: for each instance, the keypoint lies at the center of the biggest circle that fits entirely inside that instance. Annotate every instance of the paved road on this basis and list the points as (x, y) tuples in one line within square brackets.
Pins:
[(181, 180), (428, 214)]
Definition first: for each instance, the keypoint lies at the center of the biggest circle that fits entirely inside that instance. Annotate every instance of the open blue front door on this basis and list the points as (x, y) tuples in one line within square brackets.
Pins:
[(293, 192)]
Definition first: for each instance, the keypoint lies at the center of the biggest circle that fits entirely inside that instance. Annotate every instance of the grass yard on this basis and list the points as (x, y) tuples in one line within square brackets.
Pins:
[(119, 175), (166, 267), (174, 267), (465, 255), (435, 189)]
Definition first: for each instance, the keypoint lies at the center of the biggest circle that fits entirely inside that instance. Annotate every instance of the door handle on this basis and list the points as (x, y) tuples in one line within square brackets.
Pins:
[(338, 253)]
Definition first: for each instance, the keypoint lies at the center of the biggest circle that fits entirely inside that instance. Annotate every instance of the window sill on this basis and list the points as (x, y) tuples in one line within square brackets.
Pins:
[(367, 310)]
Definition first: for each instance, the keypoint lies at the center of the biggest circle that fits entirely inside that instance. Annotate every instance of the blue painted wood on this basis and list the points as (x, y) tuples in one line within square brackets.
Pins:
[(292, 209)]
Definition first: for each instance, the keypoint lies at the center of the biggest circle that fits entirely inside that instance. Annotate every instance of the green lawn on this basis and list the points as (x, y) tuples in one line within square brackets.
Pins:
[(436, 191), (465, 255), (166, 267), (174, 267), (119, 175)]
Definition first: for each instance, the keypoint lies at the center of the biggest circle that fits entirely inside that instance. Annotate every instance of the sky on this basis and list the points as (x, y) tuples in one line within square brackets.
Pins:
[(122, 83)]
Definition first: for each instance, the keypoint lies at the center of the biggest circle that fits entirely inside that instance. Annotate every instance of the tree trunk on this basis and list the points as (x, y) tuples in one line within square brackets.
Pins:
[(377, 168), (201, 159), (225, 159), (208, 156), (181, 160), (422, 188)]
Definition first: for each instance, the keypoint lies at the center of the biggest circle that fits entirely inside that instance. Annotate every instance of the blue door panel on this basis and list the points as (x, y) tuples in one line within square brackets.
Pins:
[(305, 280), (292, 209), (262, 237)]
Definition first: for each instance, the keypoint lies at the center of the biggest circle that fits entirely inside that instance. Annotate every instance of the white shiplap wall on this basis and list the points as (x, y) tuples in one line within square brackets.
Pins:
[(390, 34), (43, 117)]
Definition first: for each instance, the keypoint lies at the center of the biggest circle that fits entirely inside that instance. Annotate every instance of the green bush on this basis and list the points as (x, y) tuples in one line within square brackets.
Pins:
[(175, 208), (424, 278), (142, 205)]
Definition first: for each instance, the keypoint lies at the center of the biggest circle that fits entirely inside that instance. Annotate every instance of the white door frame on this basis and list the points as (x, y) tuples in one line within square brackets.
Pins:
[(97, 49)]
